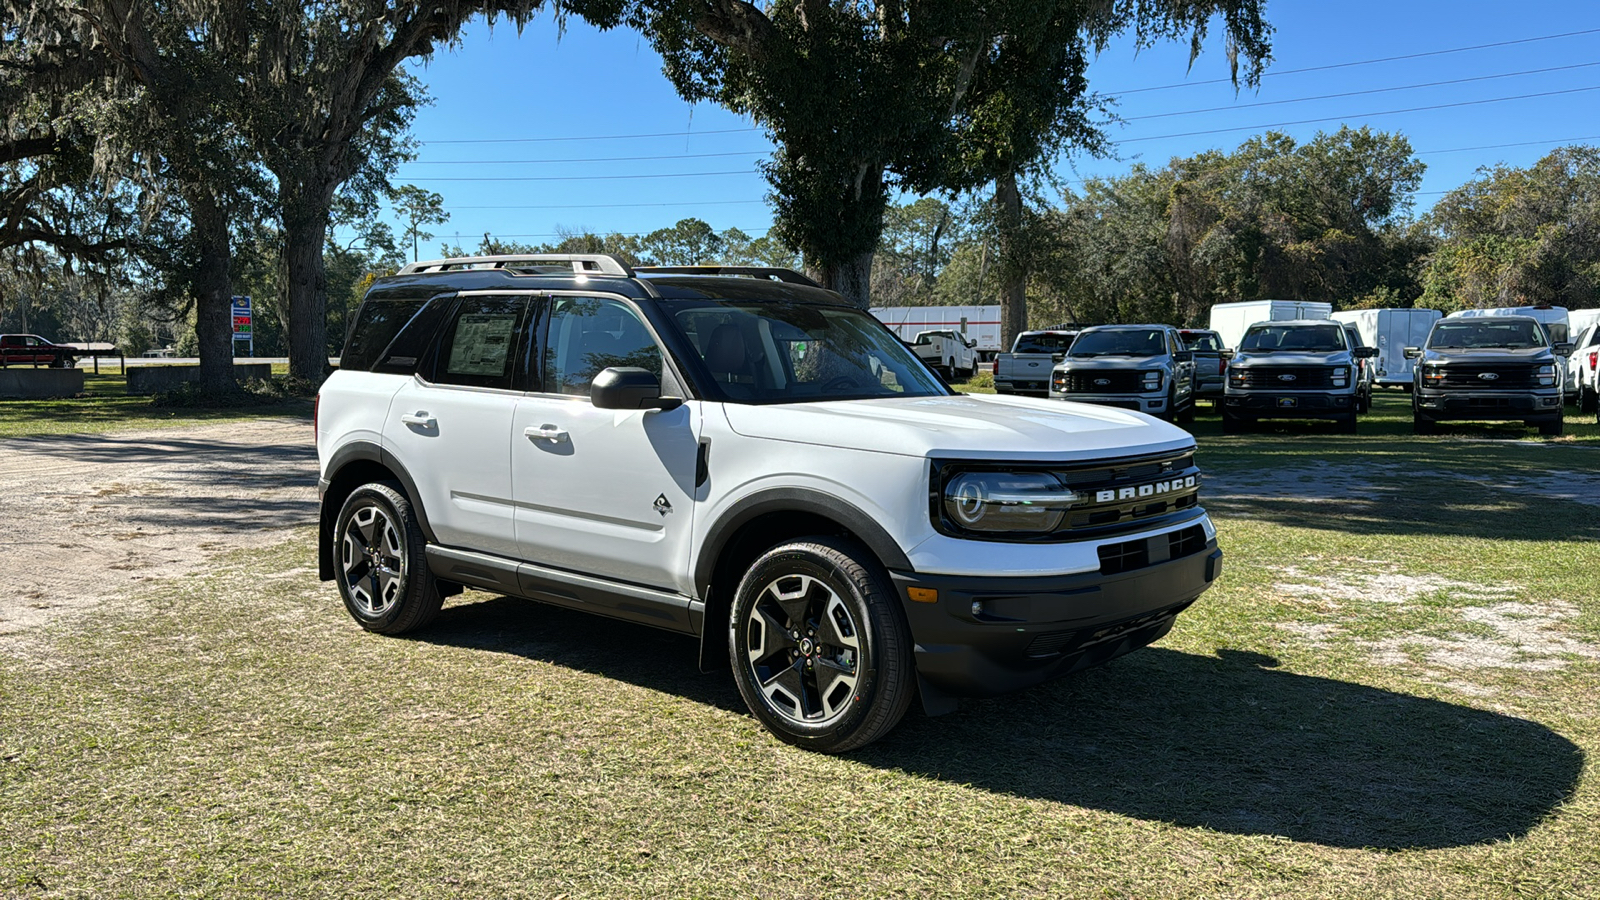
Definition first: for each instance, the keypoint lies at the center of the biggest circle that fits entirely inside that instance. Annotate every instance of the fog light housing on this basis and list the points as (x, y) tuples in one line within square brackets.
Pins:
[(977, 609)]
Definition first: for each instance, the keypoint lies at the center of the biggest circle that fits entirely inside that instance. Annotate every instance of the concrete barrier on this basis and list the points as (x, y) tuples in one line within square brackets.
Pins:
[(37, 384), (155, 379)]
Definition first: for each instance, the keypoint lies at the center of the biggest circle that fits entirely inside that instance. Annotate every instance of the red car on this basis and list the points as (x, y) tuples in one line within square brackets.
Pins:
[(32, 350)]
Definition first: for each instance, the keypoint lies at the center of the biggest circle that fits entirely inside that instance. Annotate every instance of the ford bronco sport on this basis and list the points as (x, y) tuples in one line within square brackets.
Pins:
[(738, 455)]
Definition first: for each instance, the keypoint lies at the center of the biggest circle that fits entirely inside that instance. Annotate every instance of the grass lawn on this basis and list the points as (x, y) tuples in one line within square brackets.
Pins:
[(1390, 693), (105, 405)]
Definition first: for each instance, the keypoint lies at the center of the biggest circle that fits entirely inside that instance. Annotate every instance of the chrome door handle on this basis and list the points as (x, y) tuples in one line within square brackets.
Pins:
[(550, 433), (420, 417)]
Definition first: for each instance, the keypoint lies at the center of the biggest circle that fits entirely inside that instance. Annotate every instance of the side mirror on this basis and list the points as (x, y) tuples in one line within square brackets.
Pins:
[(1364, 352), (1058, 357), (1413, 353), (1227, 354), (1184, 356), (629, 387), (1564, 348)]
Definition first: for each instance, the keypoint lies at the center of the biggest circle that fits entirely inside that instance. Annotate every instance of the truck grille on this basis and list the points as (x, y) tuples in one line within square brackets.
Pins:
[(1116, 382), (1292, 378), (1506, 377)]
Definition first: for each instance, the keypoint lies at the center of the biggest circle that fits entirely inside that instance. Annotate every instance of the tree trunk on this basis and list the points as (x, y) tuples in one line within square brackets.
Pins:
[(305, 231), (213, 293), (1013, 268), (852, 279)]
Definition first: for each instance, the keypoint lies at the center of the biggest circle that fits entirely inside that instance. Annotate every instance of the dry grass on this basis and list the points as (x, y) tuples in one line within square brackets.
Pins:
[(236, 735)]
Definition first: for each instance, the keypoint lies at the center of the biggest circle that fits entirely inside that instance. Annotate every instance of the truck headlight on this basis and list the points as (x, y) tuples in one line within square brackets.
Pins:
[(1341, 376), (1432, 376), (1236, 376), (1152, 380), (1547, 375), (1007, 501)]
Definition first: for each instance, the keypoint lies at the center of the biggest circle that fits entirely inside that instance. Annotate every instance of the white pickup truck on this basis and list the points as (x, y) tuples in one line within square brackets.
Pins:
[(949, 353)]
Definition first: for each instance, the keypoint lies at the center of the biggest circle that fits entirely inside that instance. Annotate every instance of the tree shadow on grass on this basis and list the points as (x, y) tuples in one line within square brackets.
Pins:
[(1226, 742)]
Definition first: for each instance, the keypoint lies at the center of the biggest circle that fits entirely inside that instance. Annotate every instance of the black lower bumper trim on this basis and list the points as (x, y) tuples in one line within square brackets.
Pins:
[(992, 635)]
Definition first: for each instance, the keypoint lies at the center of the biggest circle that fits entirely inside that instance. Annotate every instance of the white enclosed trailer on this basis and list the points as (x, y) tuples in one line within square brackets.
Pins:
[(1554, 318), (1391, 331), (980, 324), (1229, 320)]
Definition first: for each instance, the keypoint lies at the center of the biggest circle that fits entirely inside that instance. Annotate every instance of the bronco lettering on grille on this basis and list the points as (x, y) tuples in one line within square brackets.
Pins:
[(1139, 492)]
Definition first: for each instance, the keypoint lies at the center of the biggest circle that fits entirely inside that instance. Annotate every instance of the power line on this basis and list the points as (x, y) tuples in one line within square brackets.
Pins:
[(589, 177), (1365, 62), (1387, 112), (616, 205), (1573, 140), (595, 137), (524, 162), (1407, 87)]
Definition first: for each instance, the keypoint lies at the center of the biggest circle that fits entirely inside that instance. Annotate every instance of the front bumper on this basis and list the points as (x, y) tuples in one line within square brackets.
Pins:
[(1289, 405), (1478, 405), (1024, 631), (1154, 404)]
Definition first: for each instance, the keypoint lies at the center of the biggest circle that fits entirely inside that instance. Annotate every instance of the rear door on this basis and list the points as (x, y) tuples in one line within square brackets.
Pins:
[(450, 426), (607, 492)]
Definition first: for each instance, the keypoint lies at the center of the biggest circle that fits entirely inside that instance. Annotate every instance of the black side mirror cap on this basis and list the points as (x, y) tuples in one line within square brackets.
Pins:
[(1564, 348), (1227, 354), (1364, 352), (1413, 353), (629, 387), (1184, 356)]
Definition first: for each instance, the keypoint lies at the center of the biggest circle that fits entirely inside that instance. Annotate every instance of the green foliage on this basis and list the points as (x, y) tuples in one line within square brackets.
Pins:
[(1513, 236)]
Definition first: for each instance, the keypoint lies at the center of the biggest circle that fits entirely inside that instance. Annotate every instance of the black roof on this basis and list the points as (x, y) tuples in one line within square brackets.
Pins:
[(646, 285)]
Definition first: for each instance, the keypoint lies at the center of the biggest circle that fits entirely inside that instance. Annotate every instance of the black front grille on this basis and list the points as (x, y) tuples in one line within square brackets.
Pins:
[(1124, 557), (1116, 382), (1517, 377), (1188, 541), (1288, 378)]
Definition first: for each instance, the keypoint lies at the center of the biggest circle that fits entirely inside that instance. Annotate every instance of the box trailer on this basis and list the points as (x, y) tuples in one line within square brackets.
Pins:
[(1229, 320), (980, 324), (1553, 318), (1391, 331)]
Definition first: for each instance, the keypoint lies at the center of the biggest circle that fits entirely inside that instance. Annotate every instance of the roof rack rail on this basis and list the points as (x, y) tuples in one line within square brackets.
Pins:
[(582, 263), (772, 273)]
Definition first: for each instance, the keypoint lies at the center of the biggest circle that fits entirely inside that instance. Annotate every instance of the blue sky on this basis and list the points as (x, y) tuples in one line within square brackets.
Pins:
[(532, 133)]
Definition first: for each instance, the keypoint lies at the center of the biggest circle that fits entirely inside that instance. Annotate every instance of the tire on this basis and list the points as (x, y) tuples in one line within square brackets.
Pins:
[(1587, 399), (1187, 415), (380, 564), (1421, 424), (1233, 424), (1553, 427), (819, 645), (1347, 423)]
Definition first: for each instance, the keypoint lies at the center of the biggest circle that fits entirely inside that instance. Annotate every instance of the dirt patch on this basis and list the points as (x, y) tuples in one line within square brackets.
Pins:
[(1379, 587), (104, 513), (1525, 637)]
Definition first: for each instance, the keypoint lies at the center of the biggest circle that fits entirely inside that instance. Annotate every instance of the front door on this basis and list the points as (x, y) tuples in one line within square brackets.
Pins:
[(605, 492)]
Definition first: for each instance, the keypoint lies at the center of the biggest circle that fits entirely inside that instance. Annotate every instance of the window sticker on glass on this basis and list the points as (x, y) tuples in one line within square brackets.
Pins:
[(482, 344)]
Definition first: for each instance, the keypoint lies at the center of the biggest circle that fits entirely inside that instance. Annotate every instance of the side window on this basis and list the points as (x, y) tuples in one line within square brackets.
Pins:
[(416, 337), (480, 347), (588, 334)]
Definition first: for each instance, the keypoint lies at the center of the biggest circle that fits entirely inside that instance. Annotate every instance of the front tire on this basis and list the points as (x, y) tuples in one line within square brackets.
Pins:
[(1553, 427), (380, 561), (819, 645)]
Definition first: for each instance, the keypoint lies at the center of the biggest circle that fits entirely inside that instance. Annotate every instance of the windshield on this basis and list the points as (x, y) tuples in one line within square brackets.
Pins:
[(1144, 342), (1043, 343), (776, 352), (1293, 339), (1510, 334), (1201, 341)]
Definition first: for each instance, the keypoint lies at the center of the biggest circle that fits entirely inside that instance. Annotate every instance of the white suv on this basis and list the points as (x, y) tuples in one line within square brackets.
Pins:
[(738, 455)]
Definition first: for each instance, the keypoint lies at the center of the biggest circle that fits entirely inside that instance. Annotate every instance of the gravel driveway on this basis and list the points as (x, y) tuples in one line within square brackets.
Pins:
[(90, 516)]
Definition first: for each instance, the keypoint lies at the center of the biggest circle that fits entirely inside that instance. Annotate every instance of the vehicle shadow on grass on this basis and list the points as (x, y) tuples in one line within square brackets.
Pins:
[(1227, 742)]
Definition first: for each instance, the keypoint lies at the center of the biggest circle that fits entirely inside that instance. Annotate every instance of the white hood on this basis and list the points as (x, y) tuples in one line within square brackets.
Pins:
[(969, 427)]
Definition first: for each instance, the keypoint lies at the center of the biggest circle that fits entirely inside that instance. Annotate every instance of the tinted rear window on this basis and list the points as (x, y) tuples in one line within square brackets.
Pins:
[(375, 326)]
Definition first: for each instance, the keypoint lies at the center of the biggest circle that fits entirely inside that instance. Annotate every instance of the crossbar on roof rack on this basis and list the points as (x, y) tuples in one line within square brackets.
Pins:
[(772, 273), (601, 263)]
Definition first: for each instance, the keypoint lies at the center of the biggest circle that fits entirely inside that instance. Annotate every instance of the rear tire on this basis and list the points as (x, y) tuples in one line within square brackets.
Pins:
[(1587, 399), (819, 645), (380, 561)]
